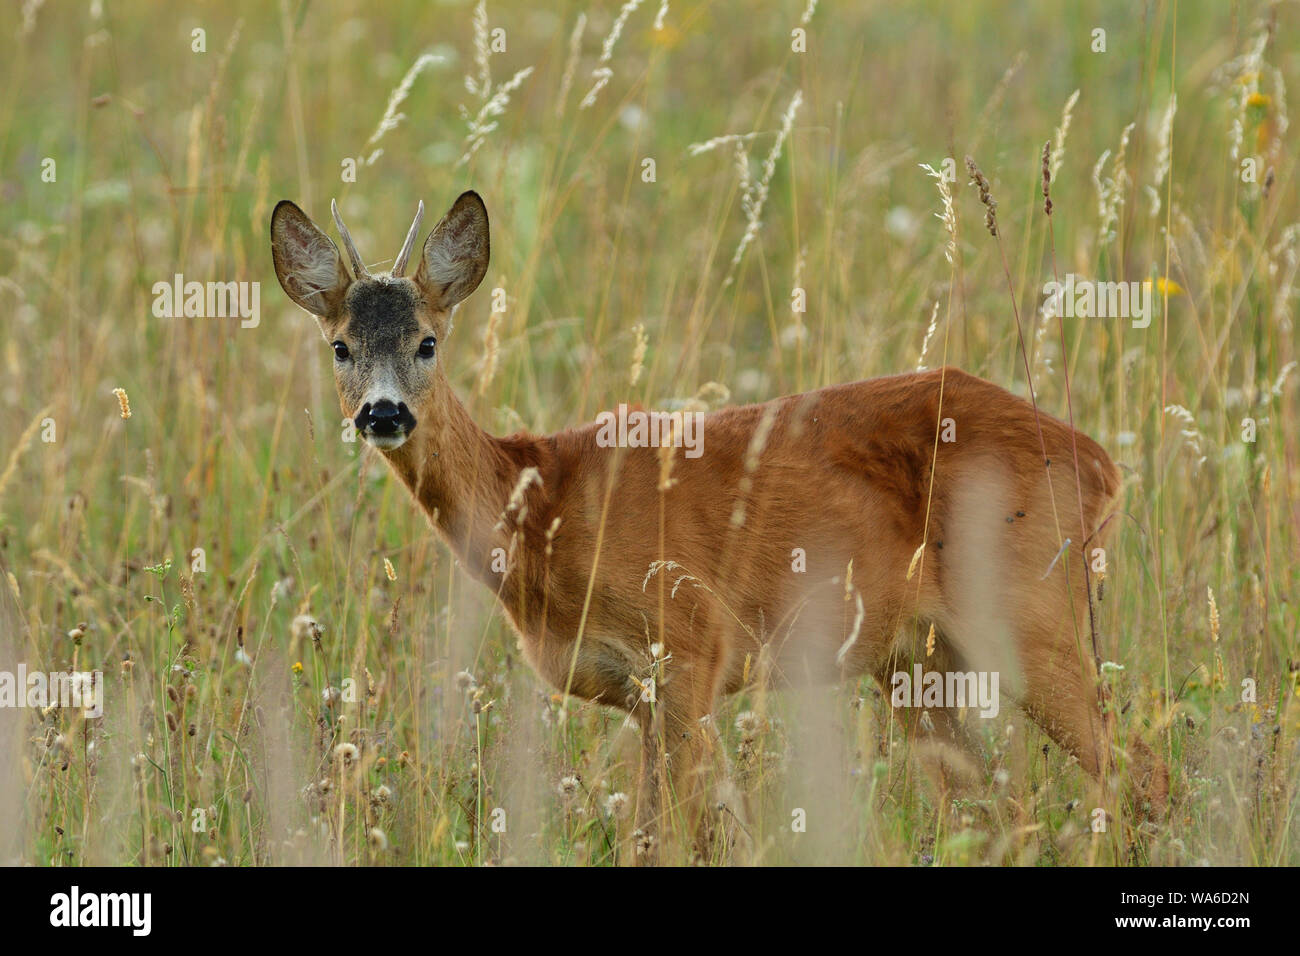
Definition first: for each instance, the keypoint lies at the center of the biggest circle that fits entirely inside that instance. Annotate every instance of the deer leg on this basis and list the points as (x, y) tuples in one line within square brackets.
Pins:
[(651, 789), (681, 755), (1062, 696)]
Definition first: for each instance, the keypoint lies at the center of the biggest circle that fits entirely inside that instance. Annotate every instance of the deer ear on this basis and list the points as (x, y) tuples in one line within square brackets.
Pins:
[(455, 256), (307, 262)]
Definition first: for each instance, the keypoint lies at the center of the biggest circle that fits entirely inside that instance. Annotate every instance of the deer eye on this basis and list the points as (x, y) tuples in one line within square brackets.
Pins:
[(427, 347), (341, 351)]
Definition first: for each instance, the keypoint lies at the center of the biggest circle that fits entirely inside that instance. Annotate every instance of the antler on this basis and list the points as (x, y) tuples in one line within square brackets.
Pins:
[(409, 244), (357, 265)]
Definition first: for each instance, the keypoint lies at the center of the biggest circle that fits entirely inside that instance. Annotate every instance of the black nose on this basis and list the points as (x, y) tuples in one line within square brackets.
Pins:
[(385, 418)]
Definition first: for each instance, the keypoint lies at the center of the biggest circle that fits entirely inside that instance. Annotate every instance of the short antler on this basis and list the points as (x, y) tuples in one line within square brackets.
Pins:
[(357, 265), (409, 244)]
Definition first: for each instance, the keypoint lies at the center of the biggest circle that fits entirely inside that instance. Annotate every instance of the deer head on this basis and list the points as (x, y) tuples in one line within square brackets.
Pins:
[(385, 329)]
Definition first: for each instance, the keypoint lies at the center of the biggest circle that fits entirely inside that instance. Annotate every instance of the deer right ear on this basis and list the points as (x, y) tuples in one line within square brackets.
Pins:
[(307, 262)]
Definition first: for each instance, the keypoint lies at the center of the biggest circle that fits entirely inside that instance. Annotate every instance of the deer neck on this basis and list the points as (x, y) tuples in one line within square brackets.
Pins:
[(463, 478)]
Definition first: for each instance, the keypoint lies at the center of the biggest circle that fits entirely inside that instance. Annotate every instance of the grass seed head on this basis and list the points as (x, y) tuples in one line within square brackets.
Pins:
[(986, 197), (1047, 177)]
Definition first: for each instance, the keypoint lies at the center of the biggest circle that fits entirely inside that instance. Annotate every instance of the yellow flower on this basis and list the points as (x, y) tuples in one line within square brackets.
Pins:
[(297, 667), (1258, 99), (1165, 286)]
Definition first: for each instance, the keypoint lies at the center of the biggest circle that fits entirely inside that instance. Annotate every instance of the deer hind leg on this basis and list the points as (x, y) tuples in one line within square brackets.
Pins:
[(1063, 696), (1060, 690), (1017, 604)]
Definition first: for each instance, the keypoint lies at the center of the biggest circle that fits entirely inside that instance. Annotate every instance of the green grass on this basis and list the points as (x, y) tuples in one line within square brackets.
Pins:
[(169, 161)]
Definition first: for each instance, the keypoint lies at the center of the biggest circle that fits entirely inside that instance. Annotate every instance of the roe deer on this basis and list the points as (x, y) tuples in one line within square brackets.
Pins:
[(964, 535)]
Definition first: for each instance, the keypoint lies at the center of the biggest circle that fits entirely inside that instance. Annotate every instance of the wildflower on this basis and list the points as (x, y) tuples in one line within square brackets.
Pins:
[(616, 803), (345, 754), (305, 626), (569, 786), (1164, 286), (643, 841), (749, 724)]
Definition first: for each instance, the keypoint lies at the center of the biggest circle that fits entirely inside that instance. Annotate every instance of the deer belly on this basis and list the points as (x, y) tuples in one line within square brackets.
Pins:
[(594, 668)]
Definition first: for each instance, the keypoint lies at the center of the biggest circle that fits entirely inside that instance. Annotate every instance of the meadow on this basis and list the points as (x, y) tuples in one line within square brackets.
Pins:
[(693, 204)]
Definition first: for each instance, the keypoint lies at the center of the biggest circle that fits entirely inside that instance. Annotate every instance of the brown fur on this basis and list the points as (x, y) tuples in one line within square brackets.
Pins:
[(845, 475)]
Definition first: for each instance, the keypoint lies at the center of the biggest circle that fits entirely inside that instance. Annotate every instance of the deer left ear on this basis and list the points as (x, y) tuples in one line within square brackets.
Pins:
[(307, 262), (455, 256)]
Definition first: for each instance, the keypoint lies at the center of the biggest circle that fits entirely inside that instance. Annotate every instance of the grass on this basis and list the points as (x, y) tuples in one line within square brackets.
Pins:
[(284, 696)]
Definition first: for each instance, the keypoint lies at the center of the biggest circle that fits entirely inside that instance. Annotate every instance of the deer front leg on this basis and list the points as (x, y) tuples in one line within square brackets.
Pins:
[(680, 756), (672, 794), (651, 789)]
